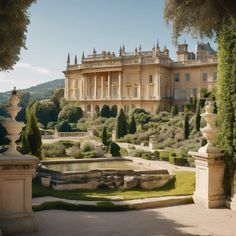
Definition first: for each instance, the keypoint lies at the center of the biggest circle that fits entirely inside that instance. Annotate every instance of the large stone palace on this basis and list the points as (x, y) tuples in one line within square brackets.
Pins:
[(146, 79)]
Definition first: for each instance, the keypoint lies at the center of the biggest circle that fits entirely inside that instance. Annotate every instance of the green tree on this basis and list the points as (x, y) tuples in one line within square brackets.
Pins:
[(104, 136), (57, 99), (13, 27), (3, 133), (174, 110), (122, 125), (198, 117), (186, 126), (132, 126), (63, 126), (105, 111), (31, 137), (70, 113), (114, 111), (115, 149), (214, 18)]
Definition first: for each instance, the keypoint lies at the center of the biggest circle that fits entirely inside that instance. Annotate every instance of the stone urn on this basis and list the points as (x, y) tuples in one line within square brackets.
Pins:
[(210, 131), (13, 127)]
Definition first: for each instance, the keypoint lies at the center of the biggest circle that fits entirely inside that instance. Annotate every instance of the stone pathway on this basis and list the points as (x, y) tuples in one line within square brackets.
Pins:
[(185, 220)]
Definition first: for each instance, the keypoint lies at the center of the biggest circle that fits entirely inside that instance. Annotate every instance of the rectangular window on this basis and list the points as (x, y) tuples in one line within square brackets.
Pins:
[(150, 79), (204, 76), (214, 76), (176, 77), (187, 77)]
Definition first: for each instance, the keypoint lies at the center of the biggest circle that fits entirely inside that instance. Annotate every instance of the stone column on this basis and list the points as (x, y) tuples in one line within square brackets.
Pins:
[(95, 86), (209, 162), (119, 85), (84, 87), (102, 87), (159, 87), (109, 84)]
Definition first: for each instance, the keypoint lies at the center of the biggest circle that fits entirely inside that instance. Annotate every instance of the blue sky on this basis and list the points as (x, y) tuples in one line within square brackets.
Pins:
[(61, 26)]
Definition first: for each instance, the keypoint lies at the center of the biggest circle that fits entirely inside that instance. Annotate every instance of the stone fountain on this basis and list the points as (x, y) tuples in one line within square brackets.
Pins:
[(209, 166), (16, 171)]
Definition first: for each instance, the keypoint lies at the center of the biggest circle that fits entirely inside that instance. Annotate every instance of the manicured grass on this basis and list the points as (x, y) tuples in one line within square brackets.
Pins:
[(182, 184), (57, 158)]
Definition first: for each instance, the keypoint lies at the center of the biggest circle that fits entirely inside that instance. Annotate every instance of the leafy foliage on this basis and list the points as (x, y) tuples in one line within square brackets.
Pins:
[(115, 149), (114, 110), (122, 125), (31, 140), (198, 17), (132, 126), (70, 113), (63, 126), (227, 97), (104, 136), (13, 27), (186, 126), (105, 111)]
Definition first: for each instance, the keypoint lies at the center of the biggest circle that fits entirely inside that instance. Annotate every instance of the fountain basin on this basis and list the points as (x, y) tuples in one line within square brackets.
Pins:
[(102, 172)]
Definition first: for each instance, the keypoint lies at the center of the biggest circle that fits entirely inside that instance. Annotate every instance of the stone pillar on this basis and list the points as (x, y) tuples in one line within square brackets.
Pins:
[(152, 142), (84, 87), (114, 133), (95, 86), (16, 171), (209, 162), (120, 86), (102, 87), (109, 84), (159, 87)]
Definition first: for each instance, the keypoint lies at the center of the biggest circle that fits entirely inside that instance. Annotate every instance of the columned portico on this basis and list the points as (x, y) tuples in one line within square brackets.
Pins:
[(95, 86), (109, 84), (119, 85)]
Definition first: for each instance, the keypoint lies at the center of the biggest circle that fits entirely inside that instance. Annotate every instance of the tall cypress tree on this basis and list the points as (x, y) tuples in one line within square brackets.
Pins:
[(122, 126), (197, 117), (113, 110), (31, 137), (186, 126), (132, 126), (104, 136)]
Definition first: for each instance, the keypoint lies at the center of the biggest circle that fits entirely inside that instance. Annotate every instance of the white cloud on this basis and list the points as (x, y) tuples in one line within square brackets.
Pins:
[(37, 69)]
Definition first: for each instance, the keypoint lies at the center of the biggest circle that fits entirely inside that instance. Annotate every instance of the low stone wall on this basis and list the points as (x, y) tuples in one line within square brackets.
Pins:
[(110, 178), (70, 134)]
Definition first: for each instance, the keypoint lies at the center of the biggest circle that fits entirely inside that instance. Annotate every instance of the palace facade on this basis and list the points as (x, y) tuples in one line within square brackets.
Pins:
[(146, 79)]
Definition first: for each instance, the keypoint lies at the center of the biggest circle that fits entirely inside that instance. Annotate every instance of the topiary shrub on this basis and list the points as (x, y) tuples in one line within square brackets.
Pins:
[(87, 146), (63, 126), (115, 149)]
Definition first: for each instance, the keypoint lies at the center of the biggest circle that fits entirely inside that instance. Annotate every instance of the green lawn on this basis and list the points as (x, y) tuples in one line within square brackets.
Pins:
[(182, 184)]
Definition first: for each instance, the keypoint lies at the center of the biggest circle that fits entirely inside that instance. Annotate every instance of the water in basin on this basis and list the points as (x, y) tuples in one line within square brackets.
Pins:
[(81, 166)]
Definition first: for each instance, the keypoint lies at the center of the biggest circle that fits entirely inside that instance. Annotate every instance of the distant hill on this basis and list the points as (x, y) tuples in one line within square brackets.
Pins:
[(38, 92)]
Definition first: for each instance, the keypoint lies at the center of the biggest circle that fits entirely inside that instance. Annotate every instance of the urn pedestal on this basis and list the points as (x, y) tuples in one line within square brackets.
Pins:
[(16, 215), (16, 172), (209, 191), (209, 162)]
